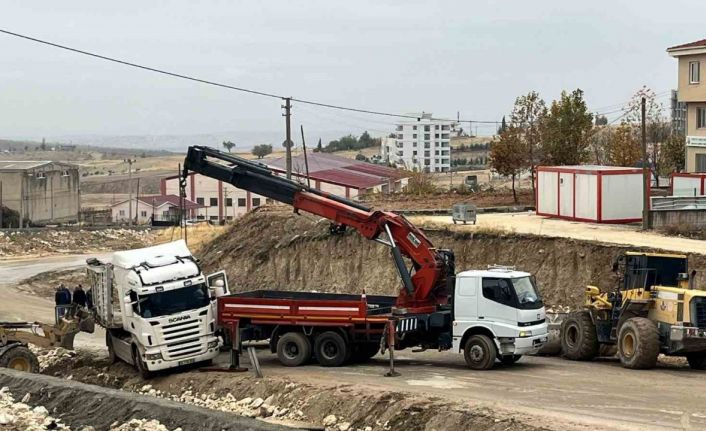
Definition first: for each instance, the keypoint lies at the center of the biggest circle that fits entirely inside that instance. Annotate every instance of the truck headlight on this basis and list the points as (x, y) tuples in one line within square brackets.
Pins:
[(212, 344), (153, 356), (525, 334)]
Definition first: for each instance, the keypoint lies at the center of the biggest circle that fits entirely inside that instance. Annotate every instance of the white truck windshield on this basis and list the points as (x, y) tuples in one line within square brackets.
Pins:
[(526, 291), (173, 301), (518, 292)]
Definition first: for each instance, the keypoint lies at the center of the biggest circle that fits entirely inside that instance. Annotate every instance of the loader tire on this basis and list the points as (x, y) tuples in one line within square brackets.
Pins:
[(20, 358), (638, 343), (480, 352), (697, 360), (331, 349), (579, 341), (293, 349)]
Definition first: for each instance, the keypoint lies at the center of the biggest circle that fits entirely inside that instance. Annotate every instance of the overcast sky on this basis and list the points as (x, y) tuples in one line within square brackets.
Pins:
[(469, 56)]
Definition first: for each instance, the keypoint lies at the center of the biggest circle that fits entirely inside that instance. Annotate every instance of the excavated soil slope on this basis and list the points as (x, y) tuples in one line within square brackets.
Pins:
[(275, 249)]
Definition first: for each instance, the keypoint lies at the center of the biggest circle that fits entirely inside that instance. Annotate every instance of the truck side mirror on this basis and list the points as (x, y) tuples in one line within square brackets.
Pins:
[(127, 301), (217, 284)]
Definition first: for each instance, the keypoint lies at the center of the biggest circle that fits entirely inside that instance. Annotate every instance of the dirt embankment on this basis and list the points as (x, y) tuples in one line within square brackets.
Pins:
[(274, 249)]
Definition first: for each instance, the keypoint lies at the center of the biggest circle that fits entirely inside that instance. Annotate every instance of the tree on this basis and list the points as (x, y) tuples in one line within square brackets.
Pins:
[(318, 148), (598, 142), (261, 150), (601, 120), (228, 145), (503, 126), (566, 130), (507, 155), (527, 117), (673, 154), (624, 147)]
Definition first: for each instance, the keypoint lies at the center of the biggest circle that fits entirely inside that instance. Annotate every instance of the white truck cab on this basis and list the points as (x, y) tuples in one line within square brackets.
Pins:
[(158, 308), (498, 314)]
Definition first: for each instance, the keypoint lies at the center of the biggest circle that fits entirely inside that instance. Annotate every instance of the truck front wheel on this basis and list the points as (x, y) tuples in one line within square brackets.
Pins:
[(579, 341), (697, 360), (638, 343), (479, 352), (145, 373), (293, 349), (330, 349)]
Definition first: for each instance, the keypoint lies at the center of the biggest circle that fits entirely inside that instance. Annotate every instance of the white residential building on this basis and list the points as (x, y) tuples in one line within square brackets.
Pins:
[(423, 144)]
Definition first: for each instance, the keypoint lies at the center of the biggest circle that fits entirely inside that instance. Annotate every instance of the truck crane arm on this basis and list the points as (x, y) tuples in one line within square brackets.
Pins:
[(424, 289)]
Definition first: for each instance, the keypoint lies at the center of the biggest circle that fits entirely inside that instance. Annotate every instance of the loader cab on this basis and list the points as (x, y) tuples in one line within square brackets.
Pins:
[(644, 270)]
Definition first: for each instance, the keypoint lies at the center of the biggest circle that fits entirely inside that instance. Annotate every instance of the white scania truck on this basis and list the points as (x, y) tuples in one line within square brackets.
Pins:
[(157, 306)]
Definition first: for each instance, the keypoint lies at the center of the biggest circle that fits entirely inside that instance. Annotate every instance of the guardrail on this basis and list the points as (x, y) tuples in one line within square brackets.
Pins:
[(671, 203)]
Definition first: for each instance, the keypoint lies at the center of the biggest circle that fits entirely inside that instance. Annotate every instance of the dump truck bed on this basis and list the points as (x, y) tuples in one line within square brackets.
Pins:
[(311, 308)]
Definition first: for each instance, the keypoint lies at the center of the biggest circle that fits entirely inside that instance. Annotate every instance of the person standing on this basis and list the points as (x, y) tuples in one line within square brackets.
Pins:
[(62, 298), (79, 297)]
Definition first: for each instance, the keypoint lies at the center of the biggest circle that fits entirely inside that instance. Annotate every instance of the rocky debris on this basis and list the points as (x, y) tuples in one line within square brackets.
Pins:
[(48, 241), (52, 360), (16, 416)]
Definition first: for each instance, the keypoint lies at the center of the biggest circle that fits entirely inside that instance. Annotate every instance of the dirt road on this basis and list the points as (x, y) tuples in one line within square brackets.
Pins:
[(597, 395), (538, 225)]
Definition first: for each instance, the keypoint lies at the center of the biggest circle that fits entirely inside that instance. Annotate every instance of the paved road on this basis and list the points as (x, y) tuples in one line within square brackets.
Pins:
[(564, 394), (538, 225)]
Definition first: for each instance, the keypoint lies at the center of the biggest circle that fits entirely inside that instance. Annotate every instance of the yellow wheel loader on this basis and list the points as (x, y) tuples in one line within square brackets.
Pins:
[(655, 309), (16, 336)]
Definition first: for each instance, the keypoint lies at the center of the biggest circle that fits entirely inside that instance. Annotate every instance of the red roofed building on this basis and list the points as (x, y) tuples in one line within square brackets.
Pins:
[(333, 174), (692, 91), (147, 208)]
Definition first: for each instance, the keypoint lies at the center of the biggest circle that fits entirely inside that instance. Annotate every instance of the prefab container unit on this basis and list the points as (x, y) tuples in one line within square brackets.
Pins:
[(684, 184), (599, 194)]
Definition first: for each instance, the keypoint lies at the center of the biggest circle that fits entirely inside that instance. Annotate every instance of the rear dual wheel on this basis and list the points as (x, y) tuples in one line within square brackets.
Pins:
[(293, 349), (331, 349)]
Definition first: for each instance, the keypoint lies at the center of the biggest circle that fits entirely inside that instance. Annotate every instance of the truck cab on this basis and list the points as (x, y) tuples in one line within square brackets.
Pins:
[(157, 306), (497, 314)]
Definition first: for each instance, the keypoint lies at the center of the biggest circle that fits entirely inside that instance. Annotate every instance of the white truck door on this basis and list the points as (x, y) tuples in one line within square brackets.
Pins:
[(218, 284), (496, 303)]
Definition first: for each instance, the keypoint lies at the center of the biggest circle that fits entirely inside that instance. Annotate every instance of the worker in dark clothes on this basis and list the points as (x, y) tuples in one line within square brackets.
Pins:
[(79, 296), (62, 298), (89, 298)]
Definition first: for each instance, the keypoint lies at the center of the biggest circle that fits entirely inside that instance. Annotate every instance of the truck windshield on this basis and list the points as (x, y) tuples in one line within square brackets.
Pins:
[(526, 291), (173, 301)]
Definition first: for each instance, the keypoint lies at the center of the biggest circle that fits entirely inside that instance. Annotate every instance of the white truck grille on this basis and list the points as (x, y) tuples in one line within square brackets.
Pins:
[(182, 339)]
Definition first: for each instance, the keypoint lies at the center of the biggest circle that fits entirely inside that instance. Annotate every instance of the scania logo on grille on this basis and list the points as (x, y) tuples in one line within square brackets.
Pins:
[(178, 319)]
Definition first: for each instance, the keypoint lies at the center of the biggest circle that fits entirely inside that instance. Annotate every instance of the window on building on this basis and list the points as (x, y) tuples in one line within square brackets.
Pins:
[(436, 127), (414, 136), (399, 128), (229, 202), (701, 163), (414, 144), (700, 118), (65, 173), (427, 136), (122, 212), (427, 128), (436, 152), (414, 127), (143, 213), (213, 202), (268, 201), (200, 217), (41, 175), (427, 145), (436, 136), (400, 136), (445, 127), (229, 217), (255, 202), (426, 154), (427, 163), (213, 218), (199, 201), (241, 202), (694, 72), (414, 153)]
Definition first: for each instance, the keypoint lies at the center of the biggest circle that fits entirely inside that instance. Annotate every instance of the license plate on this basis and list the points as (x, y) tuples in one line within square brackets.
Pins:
[(187, 362)]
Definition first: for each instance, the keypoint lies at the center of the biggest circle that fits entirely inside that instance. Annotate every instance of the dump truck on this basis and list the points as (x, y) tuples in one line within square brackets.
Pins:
[(489, 315), (654, 309), (157, 306)]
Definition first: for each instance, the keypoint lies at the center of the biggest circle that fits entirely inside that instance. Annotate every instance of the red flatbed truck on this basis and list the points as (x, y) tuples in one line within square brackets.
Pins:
[(489, 315), (337, 327)]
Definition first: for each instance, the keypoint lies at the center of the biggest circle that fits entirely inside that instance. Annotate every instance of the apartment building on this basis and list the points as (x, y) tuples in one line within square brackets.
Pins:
[(423, 143), (692, 91)]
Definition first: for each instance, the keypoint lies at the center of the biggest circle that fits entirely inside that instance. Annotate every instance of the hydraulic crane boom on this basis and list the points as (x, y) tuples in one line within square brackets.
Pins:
[(432, 275)]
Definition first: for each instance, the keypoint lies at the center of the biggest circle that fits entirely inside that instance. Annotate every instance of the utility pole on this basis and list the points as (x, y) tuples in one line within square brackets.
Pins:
[(1, 209), (137, 200), (645, 172), (129, 187), (288, 140)]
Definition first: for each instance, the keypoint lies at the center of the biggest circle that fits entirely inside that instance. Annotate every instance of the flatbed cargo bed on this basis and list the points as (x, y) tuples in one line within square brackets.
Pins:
[(310, 308)]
